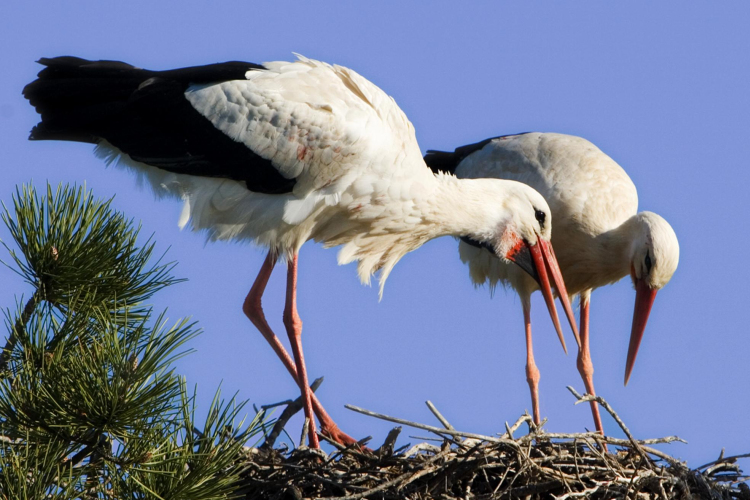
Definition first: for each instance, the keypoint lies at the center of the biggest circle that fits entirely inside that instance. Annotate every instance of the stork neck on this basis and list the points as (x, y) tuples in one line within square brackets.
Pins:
[(616, 245), (460, 207)]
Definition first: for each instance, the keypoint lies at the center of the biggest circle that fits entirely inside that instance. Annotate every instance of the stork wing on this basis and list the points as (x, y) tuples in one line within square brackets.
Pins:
[(574, 176), (324, 126), (279, 127)]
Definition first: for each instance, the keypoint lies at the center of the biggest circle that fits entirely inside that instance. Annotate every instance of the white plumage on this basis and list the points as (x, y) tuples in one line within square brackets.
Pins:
[(327, 156), (314, 122), (599, 236)]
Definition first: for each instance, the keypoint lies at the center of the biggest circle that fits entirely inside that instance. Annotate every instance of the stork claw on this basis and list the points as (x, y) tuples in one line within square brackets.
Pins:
[(332, 432)]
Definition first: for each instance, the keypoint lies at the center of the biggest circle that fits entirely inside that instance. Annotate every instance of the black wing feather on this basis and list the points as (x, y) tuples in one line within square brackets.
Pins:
[(145, 115), (446, 161)]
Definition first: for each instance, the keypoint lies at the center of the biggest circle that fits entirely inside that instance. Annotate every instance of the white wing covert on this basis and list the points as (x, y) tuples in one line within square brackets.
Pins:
[(572, 174), (325, 126)]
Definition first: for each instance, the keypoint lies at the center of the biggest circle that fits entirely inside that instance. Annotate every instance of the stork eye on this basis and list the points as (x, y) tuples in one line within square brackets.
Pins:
[(540, 216), (648, 263)]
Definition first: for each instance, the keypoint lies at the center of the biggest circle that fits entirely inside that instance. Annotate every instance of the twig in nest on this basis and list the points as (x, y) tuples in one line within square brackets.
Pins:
[(439, 415), (605, 405), (292, 408), (509, 430), (305, 427), (436, 430), (722, 458), (540, 465), (401, 480), (390, 441)]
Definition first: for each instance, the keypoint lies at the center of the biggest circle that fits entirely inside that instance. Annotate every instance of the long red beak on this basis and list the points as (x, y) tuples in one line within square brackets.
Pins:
[(543, 258), (554, 269), (644, 299)]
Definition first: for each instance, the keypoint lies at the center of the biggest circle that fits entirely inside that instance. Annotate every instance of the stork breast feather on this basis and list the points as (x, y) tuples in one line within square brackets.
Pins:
[(227, 195)]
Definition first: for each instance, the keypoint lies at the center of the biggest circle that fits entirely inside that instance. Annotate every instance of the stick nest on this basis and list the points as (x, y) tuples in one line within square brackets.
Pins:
[(538, 465)]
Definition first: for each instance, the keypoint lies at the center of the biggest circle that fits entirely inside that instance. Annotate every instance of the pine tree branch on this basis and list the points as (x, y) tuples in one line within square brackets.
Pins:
[(15, 333), (94, 408)]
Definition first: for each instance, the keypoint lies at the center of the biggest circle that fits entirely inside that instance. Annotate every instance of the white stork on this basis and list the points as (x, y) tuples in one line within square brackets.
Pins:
[(599, 236), (281, 153)]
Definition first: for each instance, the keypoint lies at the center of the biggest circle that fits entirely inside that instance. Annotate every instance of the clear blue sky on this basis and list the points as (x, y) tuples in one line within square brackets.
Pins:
[(662, 87)]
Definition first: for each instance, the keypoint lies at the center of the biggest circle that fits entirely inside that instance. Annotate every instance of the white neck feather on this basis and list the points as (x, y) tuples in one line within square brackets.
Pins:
[(448, 207), (589, 263), (467, 207)]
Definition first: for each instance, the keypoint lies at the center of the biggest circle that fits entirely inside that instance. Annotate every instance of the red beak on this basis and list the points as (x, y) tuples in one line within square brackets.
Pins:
[(543, 259), (554, 269), (644, 299)]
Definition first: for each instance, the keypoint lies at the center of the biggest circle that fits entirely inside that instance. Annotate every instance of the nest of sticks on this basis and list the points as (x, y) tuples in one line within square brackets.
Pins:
[(455, 464)]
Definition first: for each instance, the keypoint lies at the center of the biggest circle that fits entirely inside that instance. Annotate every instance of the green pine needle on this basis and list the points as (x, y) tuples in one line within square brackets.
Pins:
[(69, 241), (90, 405)]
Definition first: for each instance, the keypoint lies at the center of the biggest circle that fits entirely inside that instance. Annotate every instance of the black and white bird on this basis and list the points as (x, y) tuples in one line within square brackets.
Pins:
[(282, 153), (599, 235)]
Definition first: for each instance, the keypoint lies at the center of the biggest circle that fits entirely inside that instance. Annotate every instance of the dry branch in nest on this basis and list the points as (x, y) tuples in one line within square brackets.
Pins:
[(538, 465)]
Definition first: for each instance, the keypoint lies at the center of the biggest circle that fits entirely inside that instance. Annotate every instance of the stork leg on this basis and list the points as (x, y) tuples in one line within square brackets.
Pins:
[(585, 366), (532, 372), (254, 311), (293, 325)]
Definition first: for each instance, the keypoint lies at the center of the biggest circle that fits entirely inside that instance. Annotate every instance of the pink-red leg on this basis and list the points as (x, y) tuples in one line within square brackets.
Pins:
[(532, 372), (293, 325), (254, 311), (585, 366)]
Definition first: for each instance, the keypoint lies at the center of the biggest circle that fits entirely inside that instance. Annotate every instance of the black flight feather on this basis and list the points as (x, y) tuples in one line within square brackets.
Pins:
[(145, 115), (447, 161)]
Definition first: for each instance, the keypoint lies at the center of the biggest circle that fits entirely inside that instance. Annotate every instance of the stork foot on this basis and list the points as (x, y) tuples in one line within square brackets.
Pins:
[(332, 432)]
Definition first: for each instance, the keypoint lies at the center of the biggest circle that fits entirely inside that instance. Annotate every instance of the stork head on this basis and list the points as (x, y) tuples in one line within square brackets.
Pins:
[(655, 253), (522, 237)]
